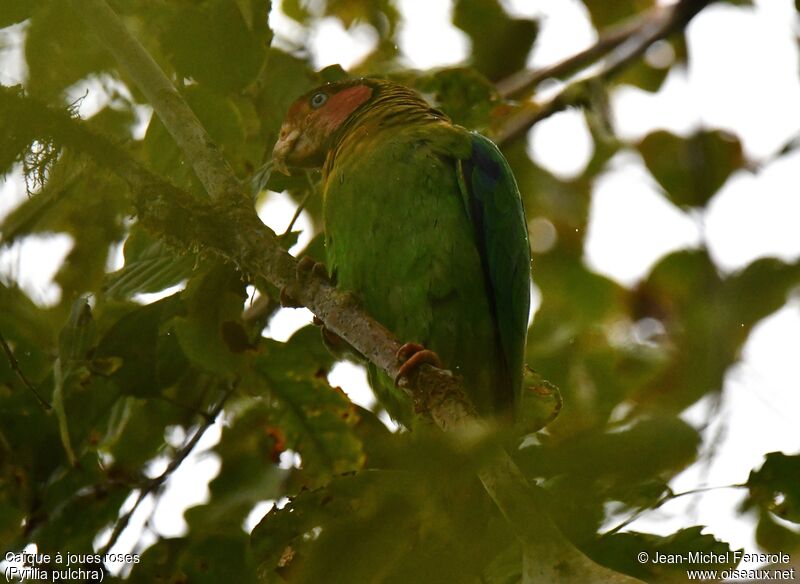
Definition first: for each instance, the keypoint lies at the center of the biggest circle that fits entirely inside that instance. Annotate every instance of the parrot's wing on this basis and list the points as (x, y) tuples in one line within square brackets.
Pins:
[(494, 205)]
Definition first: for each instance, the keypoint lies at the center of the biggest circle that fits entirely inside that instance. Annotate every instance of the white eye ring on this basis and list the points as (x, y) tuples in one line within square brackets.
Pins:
[(318, 99)]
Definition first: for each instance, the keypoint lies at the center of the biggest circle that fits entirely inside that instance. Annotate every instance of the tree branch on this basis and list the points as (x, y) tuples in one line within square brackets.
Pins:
[(654, 26), (14, 364), (525, 80), (154, 484)]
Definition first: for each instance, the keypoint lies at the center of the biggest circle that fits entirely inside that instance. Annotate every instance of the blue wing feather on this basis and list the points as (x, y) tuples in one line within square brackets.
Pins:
[(494, 205)]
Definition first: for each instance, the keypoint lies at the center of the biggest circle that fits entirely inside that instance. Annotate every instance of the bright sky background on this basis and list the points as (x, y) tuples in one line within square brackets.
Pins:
[(743, 77)]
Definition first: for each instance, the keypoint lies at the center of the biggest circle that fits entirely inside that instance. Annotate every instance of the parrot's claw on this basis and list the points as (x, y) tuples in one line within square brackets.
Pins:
[(307, 264), (336, 344), (411, 356), (287, 301)]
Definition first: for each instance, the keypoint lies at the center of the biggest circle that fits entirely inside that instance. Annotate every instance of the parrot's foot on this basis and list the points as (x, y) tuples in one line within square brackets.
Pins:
[(305, 266), (287, 301), (336, 344), (411, 356)]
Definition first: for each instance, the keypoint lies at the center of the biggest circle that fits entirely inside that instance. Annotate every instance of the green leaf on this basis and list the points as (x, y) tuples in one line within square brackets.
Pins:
[(313, 418), (42, 211), (605, 13), (15, 11), (220, 116), (22, 319), (621, 552), (749, 300), (81, 399), (628, 454), (774, 537), (15, 135), (703, 349), (150, 266), (78, 502), (591, 467), (381, 14), (303, 356), (134, 433), (317, 421), (506, 568), (539, 403), (566, 341), (296, 10), (248, 450), (71, 194), (691, 169), (775, 486), (59, 408), (336, 501), (75, 341), (643, 75), (59, 50), (463, 94), (212, 43), (81, 403), (117, 119), (11, 517), (706, 337), (208, 558), (30, 445), (211, 333), (351, 527), (147, 348), (502, 52), (78, 335), (333, 73)]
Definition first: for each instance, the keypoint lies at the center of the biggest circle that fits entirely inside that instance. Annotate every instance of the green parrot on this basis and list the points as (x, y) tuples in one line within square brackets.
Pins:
[(424, 223)]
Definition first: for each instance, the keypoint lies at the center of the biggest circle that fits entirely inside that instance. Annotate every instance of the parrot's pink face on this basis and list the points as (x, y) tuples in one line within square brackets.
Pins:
[(312, 120)]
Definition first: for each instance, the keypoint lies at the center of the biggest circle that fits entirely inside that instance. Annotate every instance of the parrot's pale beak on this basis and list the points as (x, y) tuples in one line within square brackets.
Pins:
[(283, 149)]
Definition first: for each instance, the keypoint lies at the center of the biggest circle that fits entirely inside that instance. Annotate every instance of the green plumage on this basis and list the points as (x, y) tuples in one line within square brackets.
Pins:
[(423, 221)]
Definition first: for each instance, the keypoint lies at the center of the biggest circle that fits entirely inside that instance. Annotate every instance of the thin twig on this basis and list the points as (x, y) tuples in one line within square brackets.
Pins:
[(301, 205), (669, 496), (658, 26), (12, 360), (527, 79), (154, 484)]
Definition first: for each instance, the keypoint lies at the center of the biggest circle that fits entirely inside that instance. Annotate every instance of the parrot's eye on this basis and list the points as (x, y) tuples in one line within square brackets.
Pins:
[(318, 99)]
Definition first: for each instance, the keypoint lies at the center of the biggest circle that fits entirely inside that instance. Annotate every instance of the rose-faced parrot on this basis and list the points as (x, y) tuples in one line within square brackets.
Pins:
[(424, 223)]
